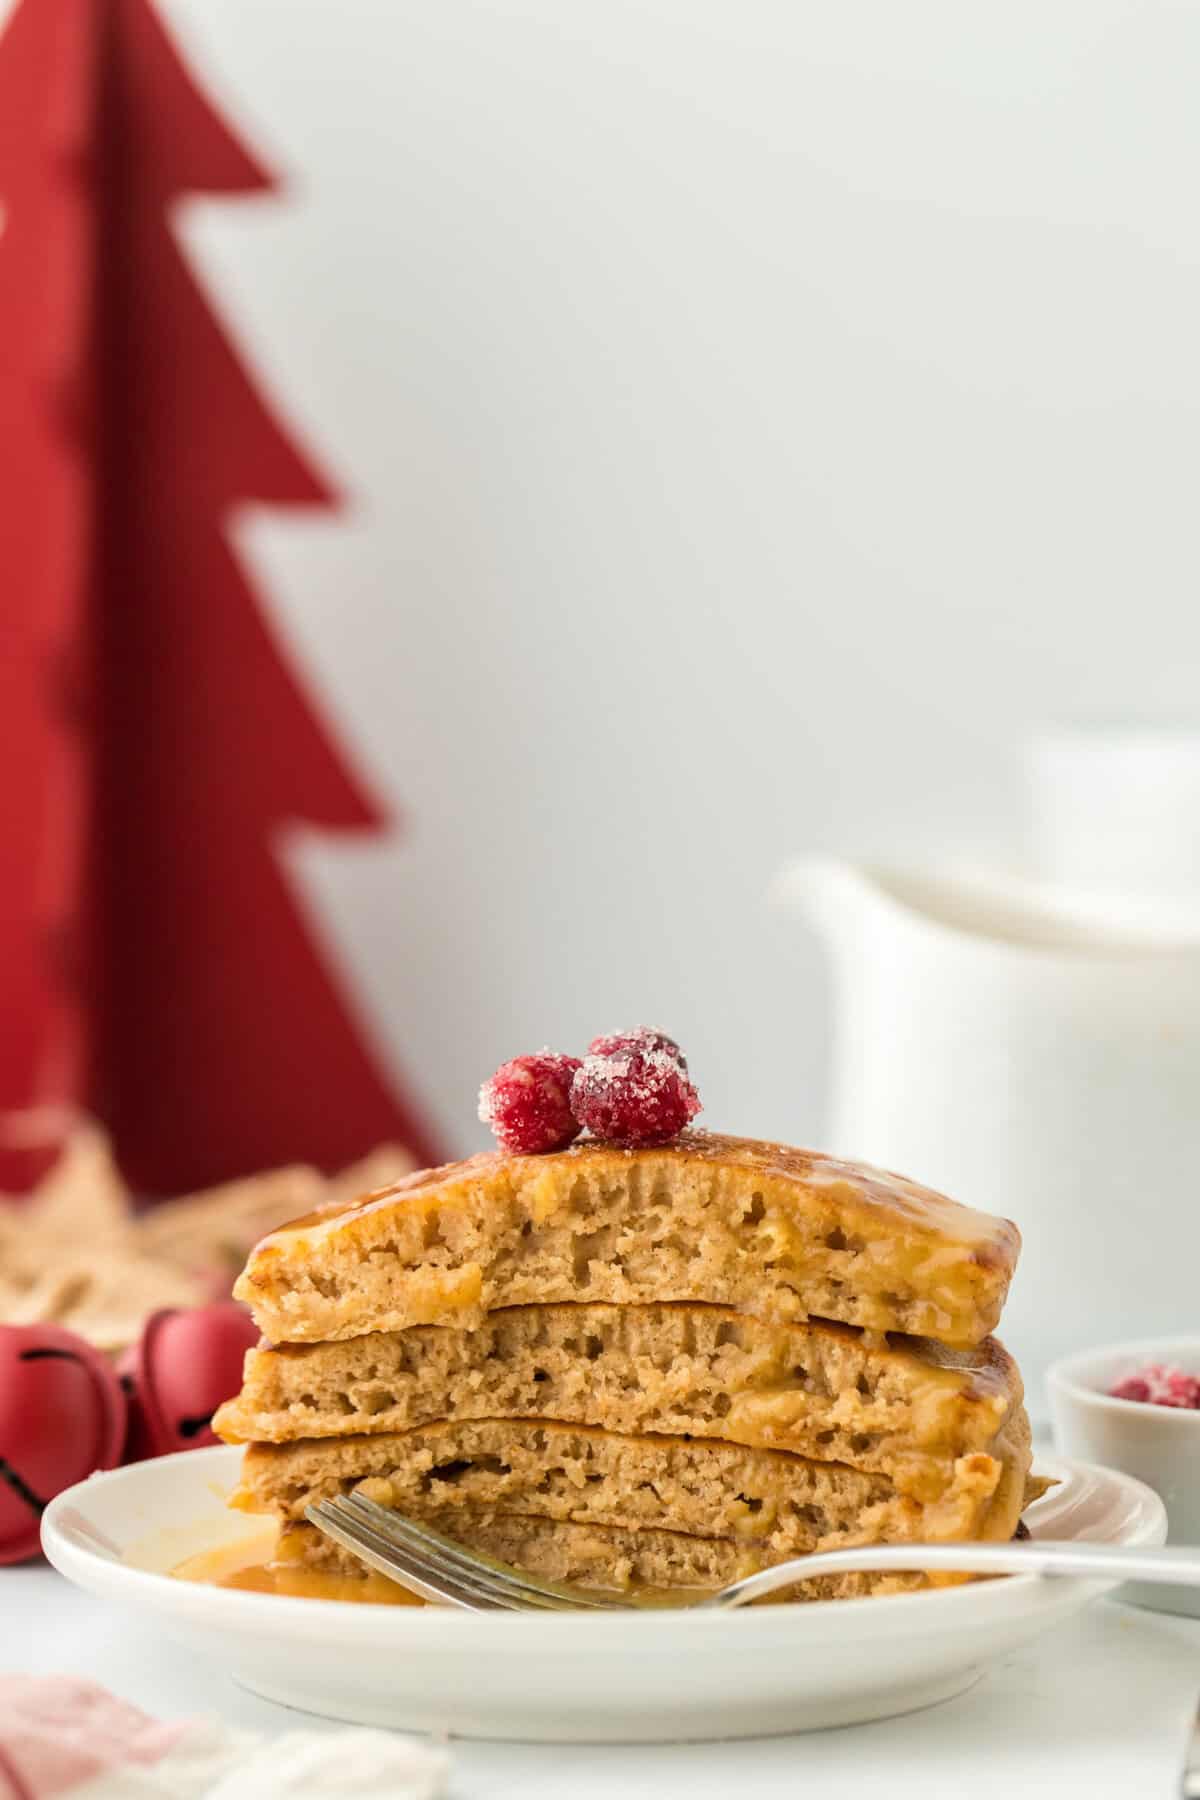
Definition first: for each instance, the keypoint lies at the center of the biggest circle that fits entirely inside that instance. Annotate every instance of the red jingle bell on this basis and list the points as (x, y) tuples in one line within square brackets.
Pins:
[(185, 1364), (62, 1415)]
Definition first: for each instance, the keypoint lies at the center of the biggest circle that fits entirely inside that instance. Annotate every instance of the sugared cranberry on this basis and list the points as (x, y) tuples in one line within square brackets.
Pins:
[(527, 1103), (1133, 1388), (1159, 1385), (637, 1097), (642, 1037)]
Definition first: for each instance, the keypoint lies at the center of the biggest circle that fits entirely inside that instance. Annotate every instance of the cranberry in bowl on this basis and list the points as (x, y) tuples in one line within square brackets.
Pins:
[(1135, 1406)]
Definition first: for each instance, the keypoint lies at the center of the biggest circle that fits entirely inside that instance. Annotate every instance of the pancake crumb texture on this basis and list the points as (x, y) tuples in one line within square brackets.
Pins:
[(784, 1234), (907, 1409), (605, 1558)]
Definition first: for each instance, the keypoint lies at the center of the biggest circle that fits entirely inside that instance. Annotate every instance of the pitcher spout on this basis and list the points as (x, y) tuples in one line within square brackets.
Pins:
[(848, 904)]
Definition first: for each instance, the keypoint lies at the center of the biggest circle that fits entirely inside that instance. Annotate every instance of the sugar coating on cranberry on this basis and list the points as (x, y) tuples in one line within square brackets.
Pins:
[(1160, 1385), (527, 1103), (642, 1037), (637, 1097)]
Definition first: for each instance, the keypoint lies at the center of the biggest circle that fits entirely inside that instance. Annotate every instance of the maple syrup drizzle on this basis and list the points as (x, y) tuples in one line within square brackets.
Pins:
[(252, 1566)]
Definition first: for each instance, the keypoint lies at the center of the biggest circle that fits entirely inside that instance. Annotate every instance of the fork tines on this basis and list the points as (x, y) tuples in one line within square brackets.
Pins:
[(435, 1567)]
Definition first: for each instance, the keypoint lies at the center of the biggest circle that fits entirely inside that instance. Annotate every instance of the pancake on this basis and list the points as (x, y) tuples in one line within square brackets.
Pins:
[(779, 1233), (907, 1410), (769, 1501)]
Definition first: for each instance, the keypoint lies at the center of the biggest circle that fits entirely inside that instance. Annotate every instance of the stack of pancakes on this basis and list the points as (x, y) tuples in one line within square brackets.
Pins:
[(662, 1367)]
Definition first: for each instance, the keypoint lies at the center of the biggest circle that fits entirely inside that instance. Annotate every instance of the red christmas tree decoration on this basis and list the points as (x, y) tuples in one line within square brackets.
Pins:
[(216, 1039), (47, 252)]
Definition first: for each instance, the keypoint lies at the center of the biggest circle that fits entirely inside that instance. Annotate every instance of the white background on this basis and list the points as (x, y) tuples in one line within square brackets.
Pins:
[(755, 416)]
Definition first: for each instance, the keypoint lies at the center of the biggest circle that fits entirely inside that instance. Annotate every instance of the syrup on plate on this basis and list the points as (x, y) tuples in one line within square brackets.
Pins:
[(256, 1566), (261, 1565)]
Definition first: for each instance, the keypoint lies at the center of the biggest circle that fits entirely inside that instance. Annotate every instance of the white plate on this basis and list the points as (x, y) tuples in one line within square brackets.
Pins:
[(646, 1677)]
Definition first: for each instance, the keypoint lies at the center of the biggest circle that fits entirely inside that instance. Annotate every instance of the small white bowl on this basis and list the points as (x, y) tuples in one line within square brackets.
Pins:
[(1158, 1444)]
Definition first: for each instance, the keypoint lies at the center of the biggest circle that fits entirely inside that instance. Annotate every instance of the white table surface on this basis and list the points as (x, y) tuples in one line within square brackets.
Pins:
[(1101, 1707)]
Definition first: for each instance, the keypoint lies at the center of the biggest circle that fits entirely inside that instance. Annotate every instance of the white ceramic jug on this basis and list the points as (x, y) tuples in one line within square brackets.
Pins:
[(1034, 1056)]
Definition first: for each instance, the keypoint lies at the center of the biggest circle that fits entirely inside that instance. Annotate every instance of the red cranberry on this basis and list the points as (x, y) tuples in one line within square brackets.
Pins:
[(1182, 1390), (1133, 1388), (638, 1097), (642, 1037), (1159, 1385), (527, 1103)]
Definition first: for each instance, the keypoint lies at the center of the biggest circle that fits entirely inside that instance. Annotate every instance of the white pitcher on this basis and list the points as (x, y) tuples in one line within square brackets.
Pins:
[(1036, 1057)]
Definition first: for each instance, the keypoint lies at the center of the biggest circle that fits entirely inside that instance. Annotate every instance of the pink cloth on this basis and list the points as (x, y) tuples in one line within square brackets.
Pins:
[(66, 1739), (57, 1732)]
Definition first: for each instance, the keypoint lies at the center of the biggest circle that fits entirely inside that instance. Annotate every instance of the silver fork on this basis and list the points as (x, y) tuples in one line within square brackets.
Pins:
[(442, 1571)]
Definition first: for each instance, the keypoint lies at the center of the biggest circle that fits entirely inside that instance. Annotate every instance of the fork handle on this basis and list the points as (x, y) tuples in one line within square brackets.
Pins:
[(1179, 1564)]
